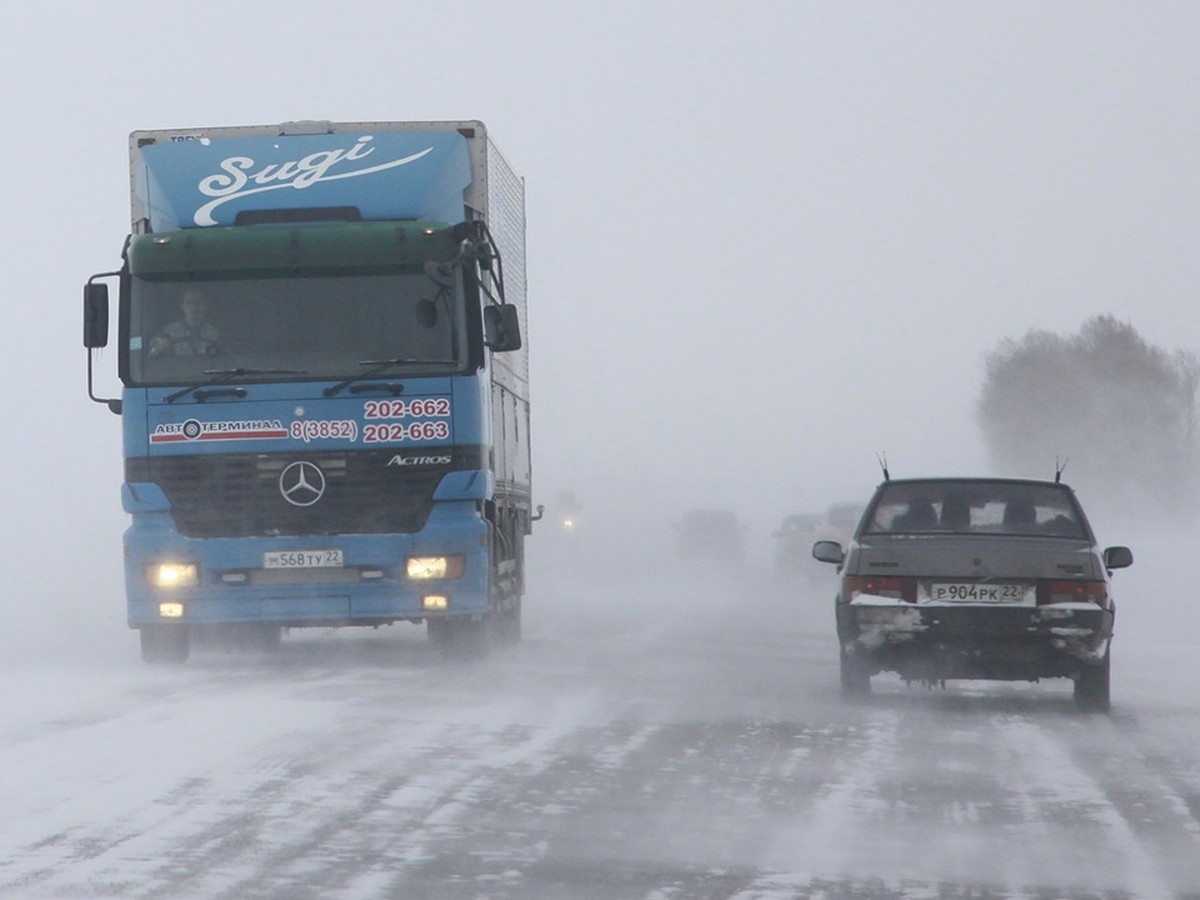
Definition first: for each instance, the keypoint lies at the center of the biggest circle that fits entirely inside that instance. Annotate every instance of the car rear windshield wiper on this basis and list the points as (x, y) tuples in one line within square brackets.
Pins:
[(220, 375), (382, 365)]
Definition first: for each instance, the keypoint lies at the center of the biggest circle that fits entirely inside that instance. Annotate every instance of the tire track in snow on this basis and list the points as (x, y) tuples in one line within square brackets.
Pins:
[(1070, 814), (225, 813)]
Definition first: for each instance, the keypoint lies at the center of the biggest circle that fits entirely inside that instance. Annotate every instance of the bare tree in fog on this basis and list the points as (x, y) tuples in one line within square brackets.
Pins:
[(1122, 410)]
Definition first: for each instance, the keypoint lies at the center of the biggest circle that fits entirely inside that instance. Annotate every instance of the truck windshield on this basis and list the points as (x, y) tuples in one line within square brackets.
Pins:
[(317, 327)]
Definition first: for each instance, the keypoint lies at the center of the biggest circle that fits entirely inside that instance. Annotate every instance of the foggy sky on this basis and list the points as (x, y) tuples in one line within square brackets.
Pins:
[(766, 241)]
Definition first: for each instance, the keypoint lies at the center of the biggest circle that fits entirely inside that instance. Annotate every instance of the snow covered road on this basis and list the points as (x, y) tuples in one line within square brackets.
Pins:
[(678, 740)]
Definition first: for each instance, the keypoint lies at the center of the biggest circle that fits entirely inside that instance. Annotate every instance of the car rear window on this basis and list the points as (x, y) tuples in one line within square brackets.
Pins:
[(973, 507)]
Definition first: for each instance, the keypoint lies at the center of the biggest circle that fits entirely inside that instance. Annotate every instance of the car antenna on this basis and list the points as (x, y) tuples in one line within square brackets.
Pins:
[(882, 457), (1059, 467)]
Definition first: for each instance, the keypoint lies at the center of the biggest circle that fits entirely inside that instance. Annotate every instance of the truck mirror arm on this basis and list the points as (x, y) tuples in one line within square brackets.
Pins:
[(114, 404)]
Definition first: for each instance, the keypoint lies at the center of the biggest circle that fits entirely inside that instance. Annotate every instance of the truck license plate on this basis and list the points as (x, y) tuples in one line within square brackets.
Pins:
[(303, 559)]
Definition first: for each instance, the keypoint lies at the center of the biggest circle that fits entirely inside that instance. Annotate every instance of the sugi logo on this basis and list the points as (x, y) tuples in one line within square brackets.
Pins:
[(241, 176)]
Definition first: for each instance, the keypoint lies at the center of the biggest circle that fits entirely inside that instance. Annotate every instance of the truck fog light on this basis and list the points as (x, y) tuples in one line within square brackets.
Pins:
[(170, 610), (172, 575), (371, 574), (435, 602), (425, 568)]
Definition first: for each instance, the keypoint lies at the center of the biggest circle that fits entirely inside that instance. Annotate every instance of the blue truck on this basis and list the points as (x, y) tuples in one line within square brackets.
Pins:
[(324, 382)]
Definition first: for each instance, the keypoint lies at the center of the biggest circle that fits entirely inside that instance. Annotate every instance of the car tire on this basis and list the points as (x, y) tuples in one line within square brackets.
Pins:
[(856, 676), (1092, 687)]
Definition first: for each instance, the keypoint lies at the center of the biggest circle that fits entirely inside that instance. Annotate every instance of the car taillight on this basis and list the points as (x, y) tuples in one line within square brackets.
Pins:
[(1074, 591), (881, 586)]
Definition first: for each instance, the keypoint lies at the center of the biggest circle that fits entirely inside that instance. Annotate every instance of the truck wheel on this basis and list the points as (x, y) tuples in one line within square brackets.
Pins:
[(164, 644), (506, 626), (856, 677), (1091, 687), (459, 638), (258, 637)]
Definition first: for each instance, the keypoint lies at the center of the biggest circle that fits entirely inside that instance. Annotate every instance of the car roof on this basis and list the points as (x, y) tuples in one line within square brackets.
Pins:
[(1041, 485), (972, 479)]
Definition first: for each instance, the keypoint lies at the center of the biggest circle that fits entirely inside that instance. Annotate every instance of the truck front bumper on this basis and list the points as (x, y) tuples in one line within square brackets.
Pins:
[(340, 579)]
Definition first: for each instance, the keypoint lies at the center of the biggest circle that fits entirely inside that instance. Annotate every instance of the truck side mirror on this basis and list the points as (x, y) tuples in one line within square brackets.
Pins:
[(501, 328), (95, 314)]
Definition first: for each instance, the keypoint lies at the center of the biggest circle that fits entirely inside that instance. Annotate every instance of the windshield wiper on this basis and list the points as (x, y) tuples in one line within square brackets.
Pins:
[(220, 375), (382, 365)]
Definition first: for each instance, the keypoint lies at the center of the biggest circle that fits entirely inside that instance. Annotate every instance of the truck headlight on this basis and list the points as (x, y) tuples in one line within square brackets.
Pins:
[(173, 575), (426, 568)]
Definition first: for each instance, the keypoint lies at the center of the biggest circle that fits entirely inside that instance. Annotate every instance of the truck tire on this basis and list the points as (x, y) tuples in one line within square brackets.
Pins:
[(164, 644), (1092, 687), (855, 676), (506, 625), (257, 637), (459, 638), (270, 639)]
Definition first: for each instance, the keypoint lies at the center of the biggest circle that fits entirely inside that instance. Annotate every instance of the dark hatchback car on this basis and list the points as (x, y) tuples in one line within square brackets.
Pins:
[(980, 578)]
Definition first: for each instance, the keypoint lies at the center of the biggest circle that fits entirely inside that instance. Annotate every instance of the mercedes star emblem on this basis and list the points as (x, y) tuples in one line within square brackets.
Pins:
[(302, 483)]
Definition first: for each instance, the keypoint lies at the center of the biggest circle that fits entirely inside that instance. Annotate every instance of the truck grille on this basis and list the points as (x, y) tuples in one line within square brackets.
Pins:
[(238, 495)]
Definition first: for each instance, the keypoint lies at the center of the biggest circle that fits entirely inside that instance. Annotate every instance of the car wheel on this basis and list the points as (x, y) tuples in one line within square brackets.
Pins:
[(1091, 686), (164, 644), (856, 677)]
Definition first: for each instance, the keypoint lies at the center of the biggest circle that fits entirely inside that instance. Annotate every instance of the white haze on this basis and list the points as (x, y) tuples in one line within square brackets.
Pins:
[(766, 241)]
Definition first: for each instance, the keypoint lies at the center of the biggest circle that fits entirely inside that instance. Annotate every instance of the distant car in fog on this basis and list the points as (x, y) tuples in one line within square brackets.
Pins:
[(796, 533), (980, 578), (567, 512), (793, 543), (710, 534)]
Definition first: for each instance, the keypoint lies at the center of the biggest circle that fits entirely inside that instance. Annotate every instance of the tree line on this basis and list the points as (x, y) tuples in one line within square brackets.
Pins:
[(1119, 411)]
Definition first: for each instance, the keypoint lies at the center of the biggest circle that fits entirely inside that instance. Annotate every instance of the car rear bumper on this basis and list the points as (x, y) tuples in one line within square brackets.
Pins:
[(936, 642)]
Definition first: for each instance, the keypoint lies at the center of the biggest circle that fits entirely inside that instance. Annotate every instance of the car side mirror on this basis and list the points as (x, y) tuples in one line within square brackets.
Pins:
[(1117, 557), (501, 328), (95, 314), (829, 552)]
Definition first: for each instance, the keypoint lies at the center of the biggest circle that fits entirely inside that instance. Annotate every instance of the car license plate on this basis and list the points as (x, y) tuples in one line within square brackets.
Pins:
[(303, 559), (968, 592)]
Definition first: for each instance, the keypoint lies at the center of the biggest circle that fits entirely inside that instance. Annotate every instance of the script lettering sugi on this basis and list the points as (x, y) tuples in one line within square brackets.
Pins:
[(240, 176)]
